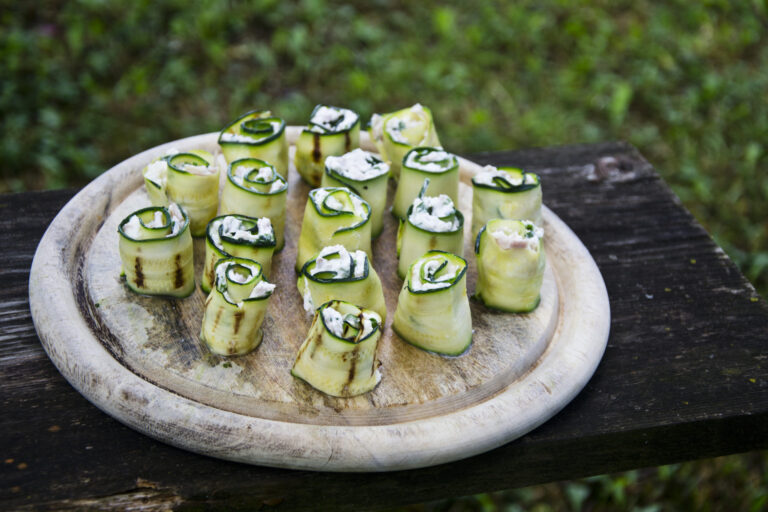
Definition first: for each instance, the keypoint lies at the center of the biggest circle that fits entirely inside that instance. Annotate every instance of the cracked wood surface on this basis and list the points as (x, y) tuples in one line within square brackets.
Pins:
[(683, 375)]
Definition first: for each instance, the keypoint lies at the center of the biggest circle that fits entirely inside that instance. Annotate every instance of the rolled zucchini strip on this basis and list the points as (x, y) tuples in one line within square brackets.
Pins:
[(338, 357), (510, 265), (365, 174), (156, 251), (433, 309), (398, 132), (235, 308), (190, 180), (440, 167), (256, 134), (343, 275), (255, 188), (240, 236), (430, 223), (332, 131), (156, 179), (334, 216), (504, 193)]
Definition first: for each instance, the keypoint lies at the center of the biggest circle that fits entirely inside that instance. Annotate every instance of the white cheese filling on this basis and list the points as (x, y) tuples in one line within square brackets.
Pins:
[(508, 240), (332, 120), (260, 290), (320, 197), (489, 173), (200, 170), (429, 161), (428, 267), (132, 228), (248, 138), (264, 175), (157, 172), (415, 117), (346, 264), (334, 322), (428, 213), (357, 165), (234, 228)]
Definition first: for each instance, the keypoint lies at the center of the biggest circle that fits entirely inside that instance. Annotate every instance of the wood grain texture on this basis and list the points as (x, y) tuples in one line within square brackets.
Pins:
[(683, 375), (140, 359)]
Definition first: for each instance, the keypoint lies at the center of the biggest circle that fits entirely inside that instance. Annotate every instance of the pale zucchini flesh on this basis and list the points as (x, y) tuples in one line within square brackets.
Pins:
[(256, 134), (519, 200)]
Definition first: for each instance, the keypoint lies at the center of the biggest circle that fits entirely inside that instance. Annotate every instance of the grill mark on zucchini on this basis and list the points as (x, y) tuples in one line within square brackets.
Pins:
[(316, 154), (218, 316), (347, 142), (238, 320), (139, 273), (316, 345), (178, 278)]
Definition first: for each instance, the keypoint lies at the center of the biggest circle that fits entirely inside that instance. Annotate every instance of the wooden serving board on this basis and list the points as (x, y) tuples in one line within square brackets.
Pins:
[(140, 358)]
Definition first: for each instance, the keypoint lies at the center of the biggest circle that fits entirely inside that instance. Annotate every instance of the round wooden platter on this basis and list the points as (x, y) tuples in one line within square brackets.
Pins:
[(140, 358)]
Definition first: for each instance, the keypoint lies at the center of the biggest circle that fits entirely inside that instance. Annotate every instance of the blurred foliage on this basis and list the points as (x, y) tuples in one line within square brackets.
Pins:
[(733, 483), (85, 84)]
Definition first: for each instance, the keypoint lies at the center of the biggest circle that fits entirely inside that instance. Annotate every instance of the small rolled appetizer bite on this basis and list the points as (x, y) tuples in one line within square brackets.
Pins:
[(365, 174), (235, 308), (240, 236), (255, 188), (332, 131), (430, 223), (433, 309), (398, 132), (156, 251), (440, 167), (510, 265), (338, 357), (337, 273), (190, 180), (256, 134), (504, 193), (334, 216)]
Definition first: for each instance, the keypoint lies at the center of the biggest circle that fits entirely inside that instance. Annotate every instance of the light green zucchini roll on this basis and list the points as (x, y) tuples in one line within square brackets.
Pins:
[(255, 188), (510, 265), (156, 251), (337, 273), (235, 308), (190, 180), (334, 216), (332, 131), (256, 134), (338, 357), (240, 236), (433, 309), (504, 193), (365, 174), (398, 132), (430, 223), (442, 169)]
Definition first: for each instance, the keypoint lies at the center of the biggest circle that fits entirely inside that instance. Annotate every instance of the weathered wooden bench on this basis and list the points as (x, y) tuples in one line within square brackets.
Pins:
[(683, 376)]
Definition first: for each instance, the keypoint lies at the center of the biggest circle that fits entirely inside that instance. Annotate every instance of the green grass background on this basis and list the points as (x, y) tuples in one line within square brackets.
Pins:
[(85, 84)]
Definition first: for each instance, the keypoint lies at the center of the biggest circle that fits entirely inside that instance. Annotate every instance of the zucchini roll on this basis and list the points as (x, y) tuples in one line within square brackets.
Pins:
[(235, 308), (433, 309), (240, 236), (334, 216), (332, 131), (338, 357), (156, 251), (365, 174), (504, 193), (255, 188), (442, 169), (256, 134), (190, 180), (398, 132), (340, 274), (430, 223), (510, 265)]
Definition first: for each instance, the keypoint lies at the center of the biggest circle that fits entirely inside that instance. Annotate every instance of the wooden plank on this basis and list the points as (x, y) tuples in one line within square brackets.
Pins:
[(683, 376)]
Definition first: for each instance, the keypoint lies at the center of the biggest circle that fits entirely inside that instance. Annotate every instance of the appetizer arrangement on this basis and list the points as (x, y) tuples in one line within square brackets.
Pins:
[(243, 225)]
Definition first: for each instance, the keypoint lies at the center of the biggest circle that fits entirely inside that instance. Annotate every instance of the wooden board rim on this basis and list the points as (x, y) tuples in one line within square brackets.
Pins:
[(561, 372)]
